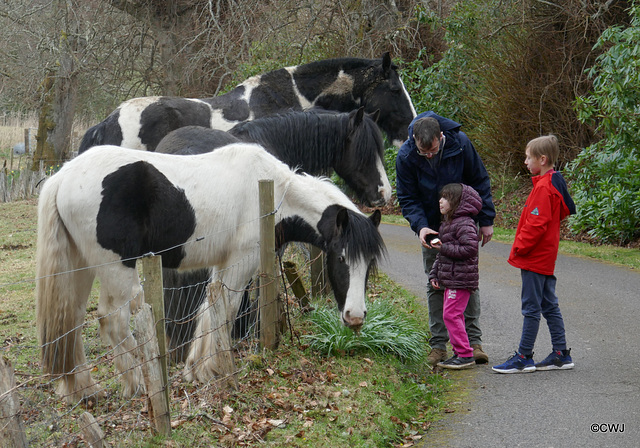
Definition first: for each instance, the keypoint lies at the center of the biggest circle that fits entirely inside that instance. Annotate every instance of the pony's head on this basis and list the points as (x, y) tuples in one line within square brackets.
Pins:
[(388, 95), (353, 245), (361, 163)]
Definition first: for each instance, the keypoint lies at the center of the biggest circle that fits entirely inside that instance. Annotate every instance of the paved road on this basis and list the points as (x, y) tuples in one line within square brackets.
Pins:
[(601, 308)]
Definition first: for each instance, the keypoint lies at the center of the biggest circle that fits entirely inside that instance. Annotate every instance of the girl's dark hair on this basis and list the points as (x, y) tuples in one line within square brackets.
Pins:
[(452, 193)]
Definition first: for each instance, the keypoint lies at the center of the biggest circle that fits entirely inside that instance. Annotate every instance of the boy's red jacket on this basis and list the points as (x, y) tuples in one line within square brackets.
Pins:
[(538, 235)]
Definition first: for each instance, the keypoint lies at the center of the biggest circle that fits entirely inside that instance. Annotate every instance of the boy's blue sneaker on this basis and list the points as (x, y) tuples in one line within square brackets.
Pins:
[(557, 360), (516, 364)]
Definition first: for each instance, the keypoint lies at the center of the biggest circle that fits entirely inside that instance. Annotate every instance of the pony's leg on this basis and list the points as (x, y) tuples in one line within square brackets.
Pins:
[(120, 287), (200, 364)]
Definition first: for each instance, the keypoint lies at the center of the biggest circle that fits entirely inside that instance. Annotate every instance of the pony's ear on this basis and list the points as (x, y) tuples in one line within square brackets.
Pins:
[(375, 115), (375, 217), (357, 119), (342, 220), (386, 64)]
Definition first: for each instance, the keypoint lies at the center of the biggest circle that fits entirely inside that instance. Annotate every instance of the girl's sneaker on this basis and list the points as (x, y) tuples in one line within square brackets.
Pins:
[(557, 360), (516, 364), (458, 363)]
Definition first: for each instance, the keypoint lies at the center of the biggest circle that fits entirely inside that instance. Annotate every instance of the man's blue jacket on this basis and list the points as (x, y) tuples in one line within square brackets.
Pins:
[(418, 185)]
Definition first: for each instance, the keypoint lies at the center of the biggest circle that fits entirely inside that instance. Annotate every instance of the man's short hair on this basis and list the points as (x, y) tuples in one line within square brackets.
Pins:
[(547, 145), (425, 130)]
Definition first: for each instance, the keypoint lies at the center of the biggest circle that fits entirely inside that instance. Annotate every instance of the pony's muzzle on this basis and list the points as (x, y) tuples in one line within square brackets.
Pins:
[(354, 322)]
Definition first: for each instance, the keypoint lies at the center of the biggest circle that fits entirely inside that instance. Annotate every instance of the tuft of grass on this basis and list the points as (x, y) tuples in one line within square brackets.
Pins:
[(384, 332)]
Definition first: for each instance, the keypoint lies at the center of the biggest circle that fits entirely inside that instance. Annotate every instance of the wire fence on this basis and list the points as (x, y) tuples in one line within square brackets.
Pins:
[(195, 381)]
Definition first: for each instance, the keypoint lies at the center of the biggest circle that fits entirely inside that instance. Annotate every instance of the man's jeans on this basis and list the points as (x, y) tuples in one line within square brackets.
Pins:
[(435, 300)]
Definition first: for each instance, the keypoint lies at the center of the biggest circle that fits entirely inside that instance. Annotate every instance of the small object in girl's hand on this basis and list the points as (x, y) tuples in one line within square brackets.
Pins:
[(434, 241)]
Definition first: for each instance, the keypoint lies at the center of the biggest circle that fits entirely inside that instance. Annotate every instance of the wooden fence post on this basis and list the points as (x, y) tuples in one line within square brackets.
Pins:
[(154, 378), (27, 142), (296, 285), (152, 285), (12, 433), (268, 286), (153, 295), (91, 430)]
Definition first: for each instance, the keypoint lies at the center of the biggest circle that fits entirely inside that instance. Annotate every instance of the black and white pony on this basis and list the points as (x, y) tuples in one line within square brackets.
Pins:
[(316, 143), (341, 84), (109, 206)]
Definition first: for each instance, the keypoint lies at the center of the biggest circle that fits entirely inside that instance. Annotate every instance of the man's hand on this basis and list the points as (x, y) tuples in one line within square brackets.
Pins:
[(424, 239), (485, 235)]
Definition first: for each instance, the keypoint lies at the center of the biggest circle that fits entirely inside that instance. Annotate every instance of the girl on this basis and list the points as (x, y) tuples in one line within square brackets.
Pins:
[(456, 266)]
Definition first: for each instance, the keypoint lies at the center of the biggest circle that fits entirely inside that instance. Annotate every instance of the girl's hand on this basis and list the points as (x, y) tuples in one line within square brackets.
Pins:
[(435, 283), (436, 243)]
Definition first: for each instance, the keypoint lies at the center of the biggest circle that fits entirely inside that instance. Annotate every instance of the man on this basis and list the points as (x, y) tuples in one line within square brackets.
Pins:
[(437, 153)]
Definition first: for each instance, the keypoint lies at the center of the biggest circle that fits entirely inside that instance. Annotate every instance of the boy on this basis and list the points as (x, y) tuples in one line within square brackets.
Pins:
[(534, 251)]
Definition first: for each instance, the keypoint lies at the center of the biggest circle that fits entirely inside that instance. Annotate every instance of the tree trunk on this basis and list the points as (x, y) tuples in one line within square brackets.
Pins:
[(44, 147), (64, 101), (59, 100)]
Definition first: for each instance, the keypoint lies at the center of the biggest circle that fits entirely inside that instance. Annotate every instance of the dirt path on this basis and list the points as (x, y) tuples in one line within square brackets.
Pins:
[(597, 404)]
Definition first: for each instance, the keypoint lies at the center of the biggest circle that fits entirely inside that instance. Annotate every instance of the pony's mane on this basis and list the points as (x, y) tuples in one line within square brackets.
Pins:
[(363, 239), (365, 151), (310, 135), (338, 63)]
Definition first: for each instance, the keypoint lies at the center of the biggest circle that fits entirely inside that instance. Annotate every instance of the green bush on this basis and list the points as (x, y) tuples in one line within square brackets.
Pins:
[(606, 175)]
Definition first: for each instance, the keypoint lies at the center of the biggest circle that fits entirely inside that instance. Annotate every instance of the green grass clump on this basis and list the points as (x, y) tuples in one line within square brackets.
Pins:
[(384, 332)]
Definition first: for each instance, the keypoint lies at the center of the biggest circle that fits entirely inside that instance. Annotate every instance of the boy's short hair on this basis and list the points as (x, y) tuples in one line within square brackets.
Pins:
[(547, 145), (425, 130)]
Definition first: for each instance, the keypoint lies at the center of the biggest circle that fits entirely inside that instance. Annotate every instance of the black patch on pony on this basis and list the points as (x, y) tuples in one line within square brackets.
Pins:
[(232, 104), (107, 132), (142, 211), (274, 94), (294, 228), (169, 113)]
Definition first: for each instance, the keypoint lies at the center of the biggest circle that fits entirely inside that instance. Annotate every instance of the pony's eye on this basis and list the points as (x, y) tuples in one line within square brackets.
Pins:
[(341, 258)]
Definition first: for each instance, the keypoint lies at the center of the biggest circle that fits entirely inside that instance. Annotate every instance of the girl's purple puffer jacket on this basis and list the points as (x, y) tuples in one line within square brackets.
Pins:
[(456, 265)]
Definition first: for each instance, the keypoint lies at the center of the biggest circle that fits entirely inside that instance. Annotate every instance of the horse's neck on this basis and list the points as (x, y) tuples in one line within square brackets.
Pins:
[(308, 197)]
